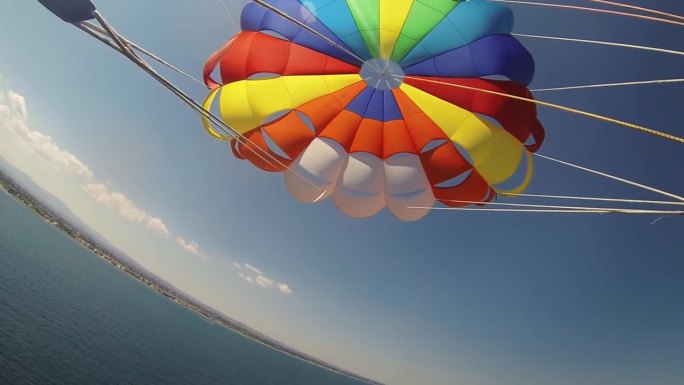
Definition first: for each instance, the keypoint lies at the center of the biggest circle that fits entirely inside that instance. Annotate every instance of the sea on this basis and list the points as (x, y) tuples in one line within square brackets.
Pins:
[(68, 317)]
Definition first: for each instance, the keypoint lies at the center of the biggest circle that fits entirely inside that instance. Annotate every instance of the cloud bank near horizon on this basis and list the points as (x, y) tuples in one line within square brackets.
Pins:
[(41, 149), (254, 276), (191, 247)]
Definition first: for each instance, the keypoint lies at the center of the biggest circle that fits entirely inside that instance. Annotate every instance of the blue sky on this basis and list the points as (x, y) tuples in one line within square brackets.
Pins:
[(456, 298)]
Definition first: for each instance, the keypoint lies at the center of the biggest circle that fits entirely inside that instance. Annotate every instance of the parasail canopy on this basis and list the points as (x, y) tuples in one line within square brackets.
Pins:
[(380, 103)]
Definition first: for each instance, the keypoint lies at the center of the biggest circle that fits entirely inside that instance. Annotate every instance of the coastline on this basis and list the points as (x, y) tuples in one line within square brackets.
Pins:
[(140, 274)]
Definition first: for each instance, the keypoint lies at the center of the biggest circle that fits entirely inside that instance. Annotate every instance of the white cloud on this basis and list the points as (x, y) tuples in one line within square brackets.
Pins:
[(116, 201), (252, 275), (14, 118), (284, 288), (42, 148), (46, 147), (191, 247), (157, 226), (125, 207), (264, 282), (253, 269)]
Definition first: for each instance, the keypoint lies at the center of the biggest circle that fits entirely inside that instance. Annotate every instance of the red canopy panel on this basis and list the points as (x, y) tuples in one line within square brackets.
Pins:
[(250, 53)]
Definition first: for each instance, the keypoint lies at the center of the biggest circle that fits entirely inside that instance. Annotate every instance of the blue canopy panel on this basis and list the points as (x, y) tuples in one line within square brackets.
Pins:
[(258, 18), (375, 104), (491, 55), (361, 103), (468, 21), (71, 11), (337, 16)]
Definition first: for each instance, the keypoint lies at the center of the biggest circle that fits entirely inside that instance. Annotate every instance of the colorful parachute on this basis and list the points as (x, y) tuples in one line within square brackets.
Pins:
[(380, 102)]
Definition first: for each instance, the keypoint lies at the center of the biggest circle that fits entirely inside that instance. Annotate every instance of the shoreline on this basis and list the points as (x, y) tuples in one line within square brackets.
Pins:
[(145, 277)]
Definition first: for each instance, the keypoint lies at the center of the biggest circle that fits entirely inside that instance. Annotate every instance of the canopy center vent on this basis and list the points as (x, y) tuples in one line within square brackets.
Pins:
[(382, 74)]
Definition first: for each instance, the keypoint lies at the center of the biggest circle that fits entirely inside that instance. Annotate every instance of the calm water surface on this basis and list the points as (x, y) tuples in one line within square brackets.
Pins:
[(67, 317)]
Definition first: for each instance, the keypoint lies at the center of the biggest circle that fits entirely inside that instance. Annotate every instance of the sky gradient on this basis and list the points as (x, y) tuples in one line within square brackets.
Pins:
[(456, 298)]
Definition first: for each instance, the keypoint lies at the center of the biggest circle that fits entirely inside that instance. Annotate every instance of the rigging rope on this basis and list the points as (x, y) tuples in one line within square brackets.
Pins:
[(124, 49), (613, 177), (554, 207), (561, 108), (232, 22), (552, 211), (642, 9), (599, 42), (590, 9), (596, 199), (146, 53), (606, 85)]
